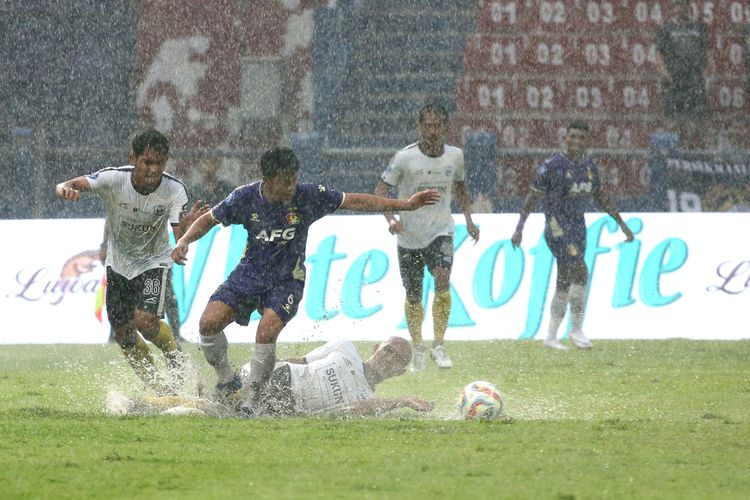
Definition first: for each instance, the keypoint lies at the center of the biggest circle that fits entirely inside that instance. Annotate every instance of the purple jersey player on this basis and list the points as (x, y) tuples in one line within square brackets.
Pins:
[(277, 213), (566, 184)]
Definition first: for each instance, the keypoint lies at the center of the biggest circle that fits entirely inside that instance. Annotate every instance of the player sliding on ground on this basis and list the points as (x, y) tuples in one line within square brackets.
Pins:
[(277, 213), (141, 201), (329, 380)]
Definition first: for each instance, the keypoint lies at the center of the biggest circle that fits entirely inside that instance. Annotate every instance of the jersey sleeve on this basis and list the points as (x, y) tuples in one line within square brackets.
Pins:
[(335, 345), (541, 179), (101, 180), (392, 173), (459, 174), (228, 211), (179, 205), (324, 200)]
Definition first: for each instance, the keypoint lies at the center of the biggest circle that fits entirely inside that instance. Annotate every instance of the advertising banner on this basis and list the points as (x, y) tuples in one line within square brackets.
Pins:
[(686, 275)]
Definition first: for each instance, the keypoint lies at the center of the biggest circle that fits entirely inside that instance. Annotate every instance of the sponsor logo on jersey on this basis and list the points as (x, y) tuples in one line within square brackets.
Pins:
[(292, 218), (135, 227), (284, 235), (150, 300), (334, 385)]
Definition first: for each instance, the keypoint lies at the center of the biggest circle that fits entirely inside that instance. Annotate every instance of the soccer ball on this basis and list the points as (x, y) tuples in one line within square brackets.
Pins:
[(480, 400)]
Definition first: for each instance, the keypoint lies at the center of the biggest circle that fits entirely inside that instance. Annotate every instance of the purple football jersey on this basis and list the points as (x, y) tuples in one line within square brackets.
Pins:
[(277, 232), (568, 188)]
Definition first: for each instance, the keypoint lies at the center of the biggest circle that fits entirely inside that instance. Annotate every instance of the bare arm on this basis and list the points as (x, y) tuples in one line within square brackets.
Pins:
[(394, 225), (362, 202), (376, 406), (528, 205), (605, 202), (200, 227), (71, 190), (188, 218), (462, 196)]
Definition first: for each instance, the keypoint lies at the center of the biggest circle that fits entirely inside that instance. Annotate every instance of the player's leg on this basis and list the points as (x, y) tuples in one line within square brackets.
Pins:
[(559, 305), (171, 309), (439, 258), (216, 316), (121, 304), (149, 312), (411, 266), (577, 300), (279, 307)]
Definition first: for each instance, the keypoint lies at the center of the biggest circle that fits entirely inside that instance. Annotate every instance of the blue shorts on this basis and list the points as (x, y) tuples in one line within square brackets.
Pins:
[(283, 299), (567, 250)]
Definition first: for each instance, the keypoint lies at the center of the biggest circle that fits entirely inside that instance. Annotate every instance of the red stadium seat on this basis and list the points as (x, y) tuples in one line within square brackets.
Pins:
[(730, 55)]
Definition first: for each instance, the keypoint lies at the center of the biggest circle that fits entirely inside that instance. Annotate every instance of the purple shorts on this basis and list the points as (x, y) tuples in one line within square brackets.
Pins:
[(283, 299)]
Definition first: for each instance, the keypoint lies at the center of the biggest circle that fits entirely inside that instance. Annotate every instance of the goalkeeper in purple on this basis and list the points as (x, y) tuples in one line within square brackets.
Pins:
[(566, 183), (277, 213)]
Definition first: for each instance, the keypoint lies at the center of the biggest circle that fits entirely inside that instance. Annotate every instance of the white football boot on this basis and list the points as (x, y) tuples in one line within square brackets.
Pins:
[(553, 343), (442, 360), (579, 340)]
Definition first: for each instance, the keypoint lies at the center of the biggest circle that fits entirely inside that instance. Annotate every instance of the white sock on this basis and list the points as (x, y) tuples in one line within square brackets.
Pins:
[(577, 296), (215, 349), (557, 313), (261, 364)]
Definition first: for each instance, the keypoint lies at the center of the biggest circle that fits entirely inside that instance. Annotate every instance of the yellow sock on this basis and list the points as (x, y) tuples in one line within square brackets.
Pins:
[(164, 340), (139, 357), (414, 315), (441, 311)]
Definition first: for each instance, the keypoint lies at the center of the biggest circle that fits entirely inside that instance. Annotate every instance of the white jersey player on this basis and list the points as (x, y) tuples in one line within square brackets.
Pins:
[(333, 378), (425, 237), (141, 202)]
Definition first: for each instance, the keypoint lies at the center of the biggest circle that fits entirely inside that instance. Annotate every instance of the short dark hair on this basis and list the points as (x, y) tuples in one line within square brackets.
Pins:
[(150, 139), (578, 125), (278, 161), (433, 107)]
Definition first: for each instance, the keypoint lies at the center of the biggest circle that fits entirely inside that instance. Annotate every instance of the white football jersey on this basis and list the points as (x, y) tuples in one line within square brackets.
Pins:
[(412, 171), (138, 237), (332, 379)]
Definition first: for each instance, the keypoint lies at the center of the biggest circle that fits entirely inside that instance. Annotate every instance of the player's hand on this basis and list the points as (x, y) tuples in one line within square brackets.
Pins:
[(395, 226), (179, 252), (422, 198), (419, 404), (199, 208), (628, 233), (473, 231), (67, 193), (516, 239)]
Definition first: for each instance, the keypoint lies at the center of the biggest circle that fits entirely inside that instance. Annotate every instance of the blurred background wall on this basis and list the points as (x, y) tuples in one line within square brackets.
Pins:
[(341, 82)]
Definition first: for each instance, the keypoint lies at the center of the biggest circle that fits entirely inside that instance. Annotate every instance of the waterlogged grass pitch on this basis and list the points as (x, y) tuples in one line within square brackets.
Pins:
[(630, 419)]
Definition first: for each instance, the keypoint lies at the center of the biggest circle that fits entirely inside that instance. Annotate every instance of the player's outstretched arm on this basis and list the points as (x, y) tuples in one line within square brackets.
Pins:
[(71, 190), (528, 205), (462, 196), (362, 202), (605, 202), (200, 227), (376, 406), (394, 224), (188, 218)]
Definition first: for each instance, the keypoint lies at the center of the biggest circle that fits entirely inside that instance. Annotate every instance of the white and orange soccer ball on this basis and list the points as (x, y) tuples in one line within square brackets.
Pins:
[(480, 400)]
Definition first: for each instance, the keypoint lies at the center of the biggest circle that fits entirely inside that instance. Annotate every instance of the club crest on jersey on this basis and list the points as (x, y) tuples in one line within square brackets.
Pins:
[(292, 218), (254, 217), (160, 209)]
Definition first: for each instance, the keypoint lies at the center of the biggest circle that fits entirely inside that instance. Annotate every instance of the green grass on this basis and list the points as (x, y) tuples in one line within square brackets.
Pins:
[(630, 419)]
